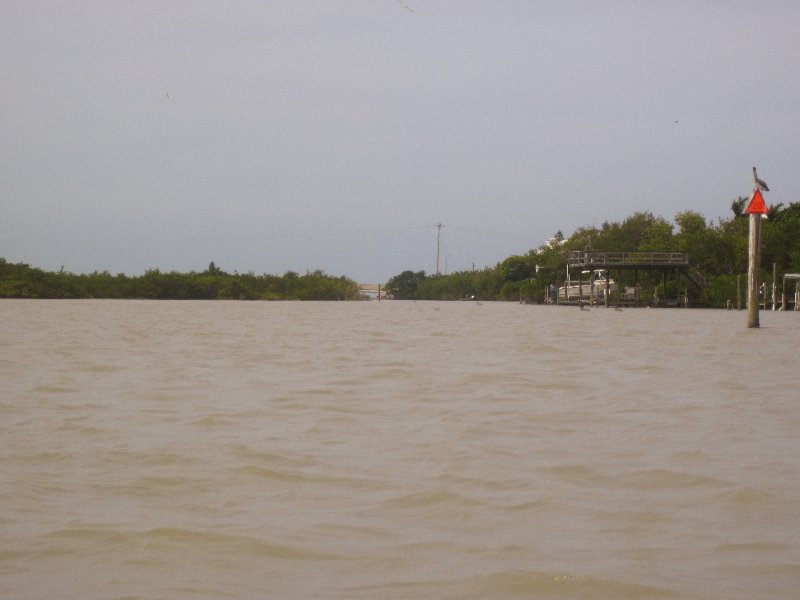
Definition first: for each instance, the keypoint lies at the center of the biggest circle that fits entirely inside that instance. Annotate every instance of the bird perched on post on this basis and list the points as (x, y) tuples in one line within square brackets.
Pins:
[(760, 184)]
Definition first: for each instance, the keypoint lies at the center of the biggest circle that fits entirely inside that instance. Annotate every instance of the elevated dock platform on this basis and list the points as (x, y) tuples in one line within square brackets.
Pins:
[(627, 260), (662, 261)]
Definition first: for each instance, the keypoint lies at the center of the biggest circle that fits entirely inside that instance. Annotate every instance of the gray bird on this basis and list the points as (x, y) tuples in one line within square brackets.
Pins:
[(760, 184), (406, 6)]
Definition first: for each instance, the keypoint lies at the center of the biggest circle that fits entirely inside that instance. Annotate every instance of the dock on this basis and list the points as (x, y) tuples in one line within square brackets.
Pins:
[(665, 262)]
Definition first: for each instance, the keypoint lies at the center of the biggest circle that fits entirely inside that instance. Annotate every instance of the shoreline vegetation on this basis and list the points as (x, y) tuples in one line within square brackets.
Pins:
[(717, 251), (23, 281)]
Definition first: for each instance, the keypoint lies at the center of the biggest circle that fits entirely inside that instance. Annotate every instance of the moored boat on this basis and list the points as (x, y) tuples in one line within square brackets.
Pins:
[(593, 288)]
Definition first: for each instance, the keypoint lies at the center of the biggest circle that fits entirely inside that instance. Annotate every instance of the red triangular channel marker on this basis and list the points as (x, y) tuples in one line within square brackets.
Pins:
[(756, 206)]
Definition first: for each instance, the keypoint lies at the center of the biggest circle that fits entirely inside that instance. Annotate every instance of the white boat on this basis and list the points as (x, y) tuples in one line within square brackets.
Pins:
[(592, 288)]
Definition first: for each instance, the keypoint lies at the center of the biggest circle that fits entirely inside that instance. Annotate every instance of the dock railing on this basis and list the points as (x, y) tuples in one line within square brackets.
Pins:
[(629, 260)]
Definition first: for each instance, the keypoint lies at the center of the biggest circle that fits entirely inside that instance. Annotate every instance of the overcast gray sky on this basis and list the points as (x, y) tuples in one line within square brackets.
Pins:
[(318, 134)]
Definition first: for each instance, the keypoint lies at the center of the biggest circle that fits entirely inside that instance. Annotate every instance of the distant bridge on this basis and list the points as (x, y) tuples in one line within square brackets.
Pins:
[(373, 290)]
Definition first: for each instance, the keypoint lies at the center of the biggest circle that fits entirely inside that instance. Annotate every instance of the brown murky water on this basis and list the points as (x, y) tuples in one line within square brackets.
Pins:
[(188, 450)]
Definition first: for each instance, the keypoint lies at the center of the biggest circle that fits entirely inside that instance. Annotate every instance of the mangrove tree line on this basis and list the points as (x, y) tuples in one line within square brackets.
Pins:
[(23, 281)]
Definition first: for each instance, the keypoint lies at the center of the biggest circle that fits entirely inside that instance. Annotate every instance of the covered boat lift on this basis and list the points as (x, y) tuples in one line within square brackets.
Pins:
[(791, 277), (661, 261)]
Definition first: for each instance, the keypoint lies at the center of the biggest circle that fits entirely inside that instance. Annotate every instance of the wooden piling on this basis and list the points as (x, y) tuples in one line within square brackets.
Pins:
[(753, 261), (774, 286), (783, 295)]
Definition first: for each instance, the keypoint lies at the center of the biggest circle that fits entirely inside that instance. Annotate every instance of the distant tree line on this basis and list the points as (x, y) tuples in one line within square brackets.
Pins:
[(717, 251), (23, 281)]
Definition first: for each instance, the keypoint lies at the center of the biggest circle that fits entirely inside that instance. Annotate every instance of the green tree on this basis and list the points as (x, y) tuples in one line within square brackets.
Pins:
[(738, 206), (517, 268), (690, 223), (404, 286)]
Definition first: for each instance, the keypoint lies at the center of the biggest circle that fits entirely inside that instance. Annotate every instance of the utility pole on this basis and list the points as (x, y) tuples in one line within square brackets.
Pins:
[(438, 240)]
